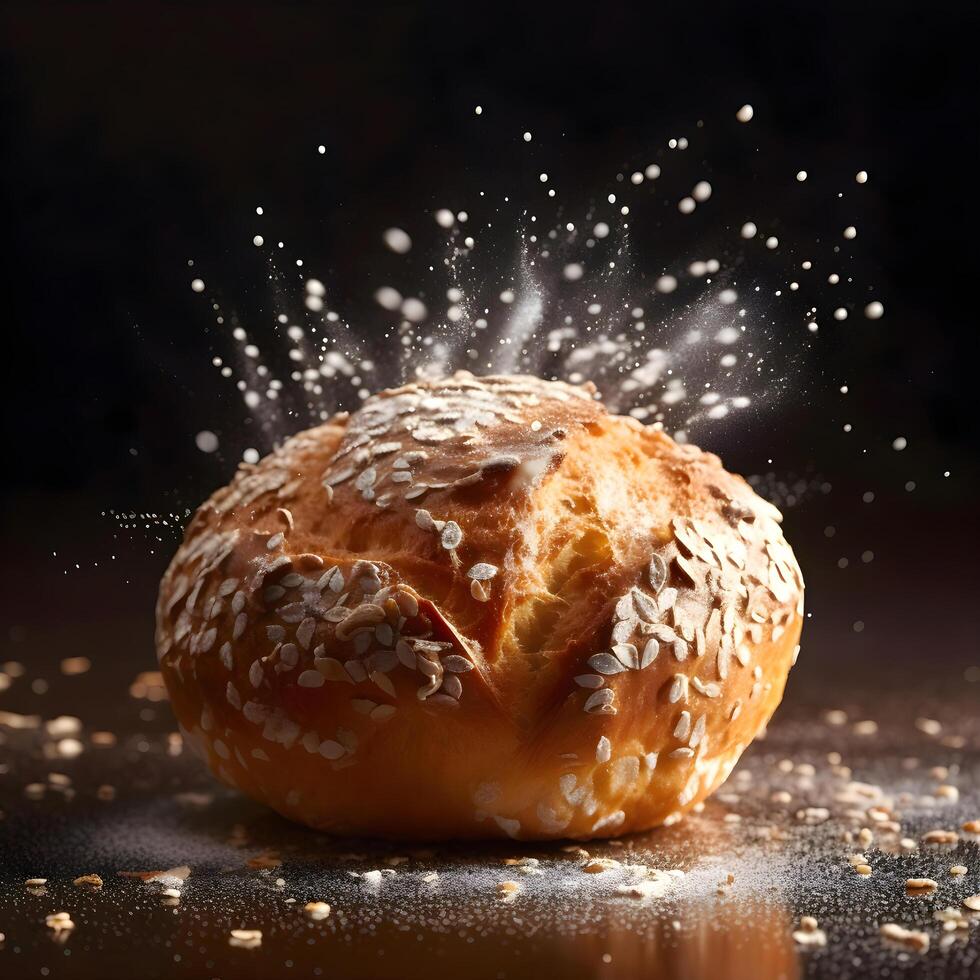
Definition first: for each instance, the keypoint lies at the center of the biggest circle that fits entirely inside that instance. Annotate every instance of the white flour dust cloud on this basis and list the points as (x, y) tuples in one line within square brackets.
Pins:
[(666, 287)]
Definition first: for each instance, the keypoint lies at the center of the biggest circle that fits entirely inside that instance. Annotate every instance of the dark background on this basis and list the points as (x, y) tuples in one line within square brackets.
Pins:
[(139, 135)]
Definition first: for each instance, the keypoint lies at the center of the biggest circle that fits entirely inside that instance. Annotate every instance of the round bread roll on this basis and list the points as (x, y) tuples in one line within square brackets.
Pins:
[(479, 607)]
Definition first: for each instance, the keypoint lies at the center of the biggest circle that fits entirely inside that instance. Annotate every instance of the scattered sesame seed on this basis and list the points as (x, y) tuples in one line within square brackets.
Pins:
[(906, 937)]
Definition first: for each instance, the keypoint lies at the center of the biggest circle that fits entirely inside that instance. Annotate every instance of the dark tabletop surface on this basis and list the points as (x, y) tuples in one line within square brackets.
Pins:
[(774, 844)]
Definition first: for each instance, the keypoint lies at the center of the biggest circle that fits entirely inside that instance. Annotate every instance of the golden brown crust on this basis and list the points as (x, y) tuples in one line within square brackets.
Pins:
[(477, 608)]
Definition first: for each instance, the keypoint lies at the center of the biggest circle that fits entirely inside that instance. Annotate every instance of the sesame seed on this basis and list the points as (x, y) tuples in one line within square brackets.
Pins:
[(657, 573), (605, 663), (452, 536), (330, 749), (683, 726), (678, 689), (310, 678), (906, 937), (88, 881), (940, 837), (317, 911)]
